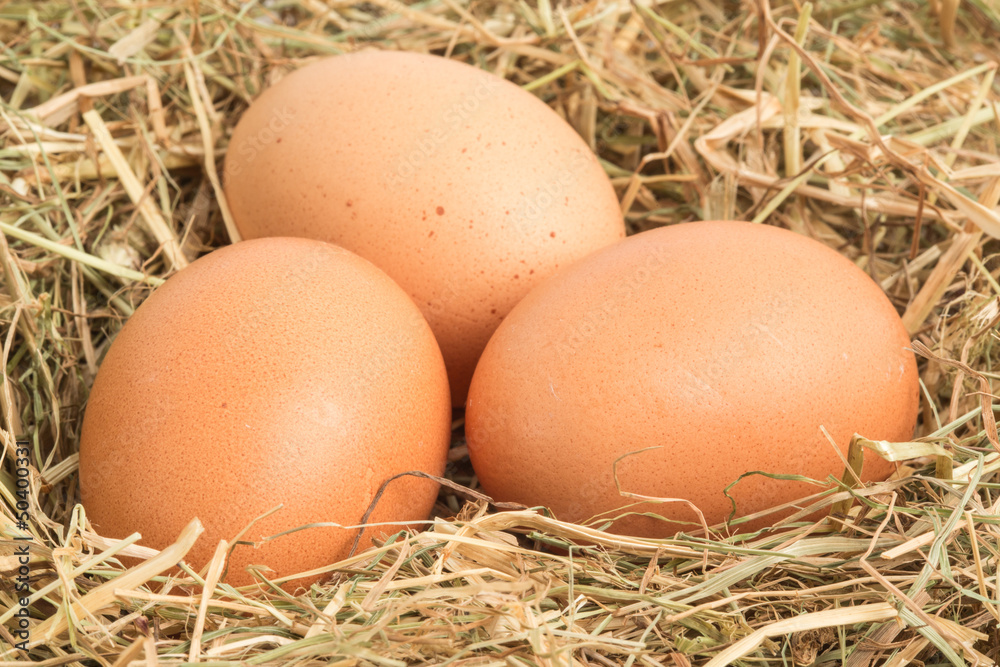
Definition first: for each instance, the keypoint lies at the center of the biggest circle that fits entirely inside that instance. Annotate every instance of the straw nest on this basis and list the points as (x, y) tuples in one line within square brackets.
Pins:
[(872, 126)]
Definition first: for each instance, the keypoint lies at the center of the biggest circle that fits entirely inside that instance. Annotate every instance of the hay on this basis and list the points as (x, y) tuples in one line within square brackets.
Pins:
[(852, 125)]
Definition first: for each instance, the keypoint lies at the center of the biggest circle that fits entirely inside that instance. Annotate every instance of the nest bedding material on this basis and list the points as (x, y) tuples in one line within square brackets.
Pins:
[(871, 126)]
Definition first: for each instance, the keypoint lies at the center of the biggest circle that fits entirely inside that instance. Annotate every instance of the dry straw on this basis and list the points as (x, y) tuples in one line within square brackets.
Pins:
[(870, 125)]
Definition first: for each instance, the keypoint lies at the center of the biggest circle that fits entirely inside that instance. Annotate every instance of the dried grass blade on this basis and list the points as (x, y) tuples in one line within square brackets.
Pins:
[(104, 594), (155, 224), (812, 621)]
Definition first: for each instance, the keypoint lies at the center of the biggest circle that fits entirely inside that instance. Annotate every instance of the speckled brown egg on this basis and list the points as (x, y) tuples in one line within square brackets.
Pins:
[(272, 372), (463, 187), (691, 355)]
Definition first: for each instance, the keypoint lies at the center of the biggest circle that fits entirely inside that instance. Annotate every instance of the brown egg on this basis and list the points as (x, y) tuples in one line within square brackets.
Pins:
[(464, 188), (691, 355), (277, 371)]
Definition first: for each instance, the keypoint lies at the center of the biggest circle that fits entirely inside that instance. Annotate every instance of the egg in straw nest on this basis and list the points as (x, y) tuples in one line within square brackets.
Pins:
[(851, 124)]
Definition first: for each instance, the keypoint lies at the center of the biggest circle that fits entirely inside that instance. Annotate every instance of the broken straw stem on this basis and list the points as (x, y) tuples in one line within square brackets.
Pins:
[(793, 147)]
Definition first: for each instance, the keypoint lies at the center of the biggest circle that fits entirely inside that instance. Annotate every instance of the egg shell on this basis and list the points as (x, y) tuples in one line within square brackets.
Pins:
[(464, 188), (277, 371), (691, 355)]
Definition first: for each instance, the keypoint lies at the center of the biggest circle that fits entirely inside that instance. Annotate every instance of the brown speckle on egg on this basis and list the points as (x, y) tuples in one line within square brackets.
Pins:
[(383, 129)]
